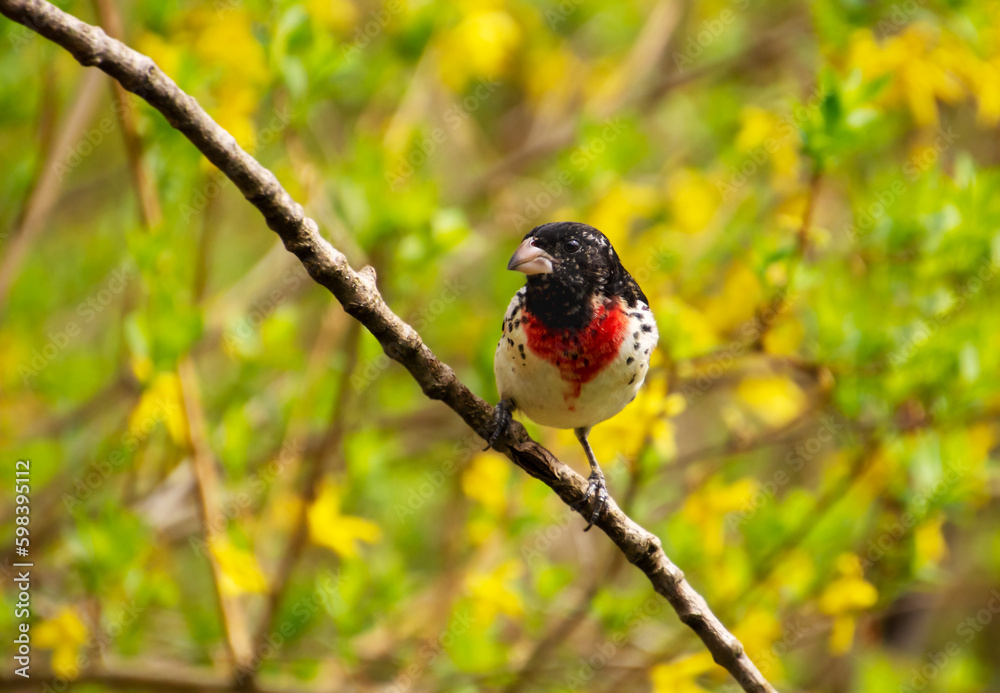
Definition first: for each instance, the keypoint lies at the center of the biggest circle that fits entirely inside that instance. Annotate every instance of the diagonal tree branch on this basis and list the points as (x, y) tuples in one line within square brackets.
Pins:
[(357, 292)]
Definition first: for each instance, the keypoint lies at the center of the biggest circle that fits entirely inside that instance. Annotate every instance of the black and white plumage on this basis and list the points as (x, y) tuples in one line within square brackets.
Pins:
[(576, 340)]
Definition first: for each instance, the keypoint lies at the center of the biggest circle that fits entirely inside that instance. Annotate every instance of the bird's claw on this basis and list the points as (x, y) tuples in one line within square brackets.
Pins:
[(599, 491), (501, 422)]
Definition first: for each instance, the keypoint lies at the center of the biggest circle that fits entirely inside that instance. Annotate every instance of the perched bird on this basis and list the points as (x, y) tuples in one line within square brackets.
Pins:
[(576, 338)]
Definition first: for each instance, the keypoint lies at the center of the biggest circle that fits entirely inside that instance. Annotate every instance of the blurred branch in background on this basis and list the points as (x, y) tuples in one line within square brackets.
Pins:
[(45, 190)]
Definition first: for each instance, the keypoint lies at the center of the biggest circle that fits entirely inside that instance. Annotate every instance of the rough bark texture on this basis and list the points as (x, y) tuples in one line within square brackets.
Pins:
[(357, 292)]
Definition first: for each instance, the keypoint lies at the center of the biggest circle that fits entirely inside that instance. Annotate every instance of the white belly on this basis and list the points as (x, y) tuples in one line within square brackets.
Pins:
[(539, 389)]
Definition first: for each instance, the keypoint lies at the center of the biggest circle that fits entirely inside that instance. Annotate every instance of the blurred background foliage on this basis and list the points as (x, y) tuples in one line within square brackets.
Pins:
[(225, 469)]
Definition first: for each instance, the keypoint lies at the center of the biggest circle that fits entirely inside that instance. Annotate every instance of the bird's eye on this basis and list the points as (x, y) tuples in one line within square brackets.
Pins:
[(571, 246)]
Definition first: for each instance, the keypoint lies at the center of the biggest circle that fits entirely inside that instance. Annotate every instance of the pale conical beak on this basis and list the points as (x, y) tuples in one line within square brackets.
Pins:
[(529, 259)]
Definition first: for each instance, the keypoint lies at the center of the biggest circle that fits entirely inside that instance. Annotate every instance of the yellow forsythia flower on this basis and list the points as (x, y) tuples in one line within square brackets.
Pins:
[(679, 676), (843, 598), (481, 45), (239, 568), (737, 302), (620, 206), (338, 15), (65, 635), (921, 64), (492, 593), (765, 132), (692, 200), (842, 634), (339, 533), (774, 399), (785, 337), (707, 508), (929, 544), (485, 481), (160, 401)]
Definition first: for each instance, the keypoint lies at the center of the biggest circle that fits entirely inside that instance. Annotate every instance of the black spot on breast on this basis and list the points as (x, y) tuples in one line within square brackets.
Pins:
[(522, 355), (632, 380), (510, 341), (520, 347), (629, 360), (647, 328), (635, 315), (586, 362), (635, 335), (636, 346), (647, 351), (517, 323), (575, 356)]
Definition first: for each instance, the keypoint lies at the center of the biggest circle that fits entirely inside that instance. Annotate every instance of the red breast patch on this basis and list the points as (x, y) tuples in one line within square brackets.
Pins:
[(579, 354)]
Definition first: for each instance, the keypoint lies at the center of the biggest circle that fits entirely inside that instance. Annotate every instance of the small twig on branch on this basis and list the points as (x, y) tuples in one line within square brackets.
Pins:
[(357, 292)]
